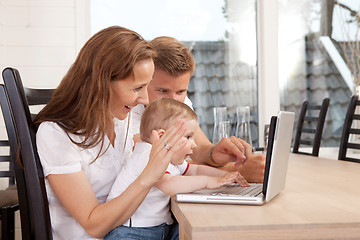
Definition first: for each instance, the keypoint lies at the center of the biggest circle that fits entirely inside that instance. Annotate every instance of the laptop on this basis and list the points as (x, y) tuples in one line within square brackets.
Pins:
[(277, 155)]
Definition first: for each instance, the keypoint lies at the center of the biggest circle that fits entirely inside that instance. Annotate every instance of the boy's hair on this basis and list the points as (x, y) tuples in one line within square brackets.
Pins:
[(162, 113), (172, 57)]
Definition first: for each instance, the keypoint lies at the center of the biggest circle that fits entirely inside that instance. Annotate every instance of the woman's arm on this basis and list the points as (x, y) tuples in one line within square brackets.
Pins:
[(77, 196), (75, 193)]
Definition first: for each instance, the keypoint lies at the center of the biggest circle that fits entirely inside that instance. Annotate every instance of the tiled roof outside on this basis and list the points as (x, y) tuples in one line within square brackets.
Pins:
[(218, 82), (320, 79)]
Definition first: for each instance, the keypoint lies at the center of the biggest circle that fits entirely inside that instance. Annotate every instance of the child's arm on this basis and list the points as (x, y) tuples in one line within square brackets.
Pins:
[(195, 169), (172, 185)]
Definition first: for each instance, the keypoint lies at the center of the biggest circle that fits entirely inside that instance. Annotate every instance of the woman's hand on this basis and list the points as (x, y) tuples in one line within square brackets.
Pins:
[(170, 146)]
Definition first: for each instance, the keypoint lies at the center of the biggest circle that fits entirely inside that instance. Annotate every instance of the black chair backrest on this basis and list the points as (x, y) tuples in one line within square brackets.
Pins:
[(349, 128), (312, 125), (20, 178), (37, 97), (38, 210)]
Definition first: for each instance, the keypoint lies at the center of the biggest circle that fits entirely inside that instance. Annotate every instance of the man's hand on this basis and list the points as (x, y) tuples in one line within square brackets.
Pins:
[(230, 149), (250, 165), (253, 170)]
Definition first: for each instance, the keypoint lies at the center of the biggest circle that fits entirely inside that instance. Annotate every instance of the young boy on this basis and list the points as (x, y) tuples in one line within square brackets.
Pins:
[(152, 220)]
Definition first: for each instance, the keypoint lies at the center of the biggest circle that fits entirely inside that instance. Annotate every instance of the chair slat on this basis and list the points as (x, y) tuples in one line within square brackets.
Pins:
[(4, 143), (354, 131), (308, 130), (311, 119), (356, 117), (306, 142), (38, 96), (7, 174), (314, 107), (5, 158), (353, 145)]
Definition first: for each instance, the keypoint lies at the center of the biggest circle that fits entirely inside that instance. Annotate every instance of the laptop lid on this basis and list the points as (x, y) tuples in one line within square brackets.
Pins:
[(277, 161), (279, 142)]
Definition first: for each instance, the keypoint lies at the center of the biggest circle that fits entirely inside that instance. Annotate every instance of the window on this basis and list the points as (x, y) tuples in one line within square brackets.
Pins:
[(222, 37), (312, 62)]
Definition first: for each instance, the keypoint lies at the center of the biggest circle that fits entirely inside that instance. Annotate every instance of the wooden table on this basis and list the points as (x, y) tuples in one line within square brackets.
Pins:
[(321, 200)]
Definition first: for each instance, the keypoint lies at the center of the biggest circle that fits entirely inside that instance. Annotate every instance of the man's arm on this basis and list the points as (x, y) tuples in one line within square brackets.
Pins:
[(228, 151), (205, 170)]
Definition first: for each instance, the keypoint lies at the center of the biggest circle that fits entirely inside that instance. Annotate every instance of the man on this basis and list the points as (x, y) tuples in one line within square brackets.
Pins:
[(174, 66)]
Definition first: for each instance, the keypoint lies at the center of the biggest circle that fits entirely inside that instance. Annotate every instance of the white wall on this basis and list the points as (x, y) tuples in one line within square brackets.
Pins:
[(41, 38)]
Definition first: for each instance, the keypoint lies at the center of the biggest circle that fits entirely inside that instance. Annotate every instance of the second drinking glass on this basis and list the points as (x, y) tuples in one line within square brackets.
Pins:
[(243, 124)]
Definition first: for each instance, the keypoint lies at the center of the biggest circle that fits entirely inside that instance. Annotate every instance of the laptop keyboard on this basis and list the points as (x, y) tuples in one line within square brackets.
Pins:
[(235, 189)]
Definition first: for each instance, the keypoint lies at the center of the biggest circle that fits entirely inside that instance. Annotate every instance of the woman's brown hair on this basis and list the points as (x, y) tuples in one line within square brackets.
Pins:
[(81, 103)]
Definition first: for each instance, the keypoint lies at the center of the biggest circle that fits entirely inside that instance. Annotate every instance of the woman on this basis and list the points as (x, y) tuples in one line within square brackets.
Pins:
[(82, 143)]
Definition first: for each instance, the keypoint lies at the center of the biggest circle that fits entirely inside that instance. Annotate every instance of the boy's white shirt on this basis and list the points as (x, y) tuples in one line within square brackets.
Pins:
[(155, 209)]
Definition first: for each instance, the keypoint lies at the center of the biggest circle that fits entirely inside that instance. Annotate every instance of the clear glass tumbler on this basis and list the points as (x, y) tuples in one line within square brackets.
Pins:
[(243, 124), (221, 124)]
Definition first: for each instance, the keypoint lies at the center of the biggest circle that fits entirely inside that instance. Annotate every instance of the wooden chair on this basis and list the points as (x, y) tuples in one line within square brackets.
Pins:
[(350, 128), (36, 219), (311, 122), (9, 202), (31, 97), (36, 97)]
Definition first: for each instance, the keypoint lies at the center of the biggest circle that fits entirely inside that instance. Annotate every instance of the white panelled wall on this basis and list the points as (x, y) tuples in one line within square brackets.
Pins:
[(41, 38)]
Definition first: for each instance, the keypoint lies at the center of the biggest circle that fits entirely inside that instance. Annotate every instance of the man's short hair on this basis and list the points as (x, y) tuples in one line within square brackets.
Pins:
[(172, 57)]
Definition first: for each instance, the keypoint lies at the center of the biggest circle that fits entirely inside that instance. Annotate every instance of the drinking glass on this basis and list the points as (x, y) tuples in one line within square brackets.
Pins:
[(221, 130), (243, 124), (221, 124)]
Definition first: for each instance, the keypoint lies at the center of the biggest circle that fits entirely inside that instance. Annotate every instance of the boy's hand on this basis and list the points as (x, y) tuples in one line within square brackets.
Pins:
[(216, 182), (240, 179)]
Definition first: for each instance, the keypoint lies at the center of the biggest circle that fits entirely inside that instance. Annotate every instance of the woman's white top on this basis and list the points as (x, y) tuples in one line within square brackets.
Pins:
[(59, 155), (155, 209)]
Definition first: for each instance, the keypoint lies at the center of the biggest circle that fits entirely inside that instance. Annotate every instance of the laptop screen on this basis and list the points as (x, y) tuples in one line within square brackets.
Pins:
[(270, 145)]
